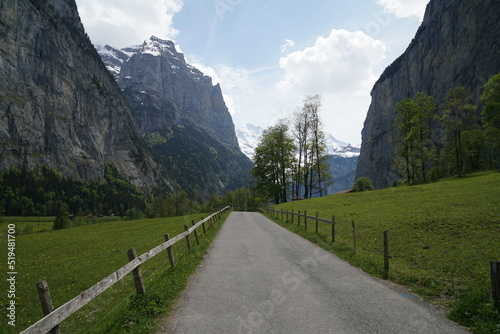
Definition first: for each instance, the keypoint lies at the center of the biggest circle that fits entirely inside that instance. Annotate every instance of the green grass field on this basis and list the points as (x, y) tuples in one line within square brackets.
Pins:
[(442, 237), (72, 260)]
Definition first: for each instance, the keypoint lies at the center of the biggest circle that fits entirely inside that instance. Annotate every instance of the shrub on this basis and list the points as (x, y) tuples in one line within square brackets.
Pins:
[(362, 184)]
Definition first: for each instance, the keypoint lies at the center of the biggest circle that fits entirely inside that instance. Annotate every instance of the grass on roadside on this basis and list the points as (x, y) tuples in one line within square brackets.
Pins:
[(441, 239), (72, 260)]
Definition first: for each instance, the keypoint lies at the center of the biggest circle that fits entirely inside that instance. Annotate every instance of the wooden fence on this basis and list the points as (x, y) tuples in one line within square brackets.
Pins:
[(52, 319), (494, 265)]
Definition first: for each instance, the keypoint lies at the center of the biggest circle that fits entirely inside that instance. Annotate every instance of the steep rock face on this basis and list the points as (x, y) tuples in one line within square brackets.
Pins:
[(160, 73), (457, 44), (181, 116), (59, 105)]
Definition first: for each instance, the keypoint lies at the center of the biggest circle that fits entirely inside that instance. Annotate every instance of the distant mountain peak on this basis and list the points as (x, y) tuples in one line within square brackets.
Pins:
[(249, 136), (158, 47)]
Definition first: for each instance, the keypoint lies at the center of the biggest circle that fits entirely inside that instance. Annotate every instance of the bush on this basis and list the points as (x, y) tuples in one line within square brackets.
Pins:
[(475, 309), (362, 184), (62, 220)]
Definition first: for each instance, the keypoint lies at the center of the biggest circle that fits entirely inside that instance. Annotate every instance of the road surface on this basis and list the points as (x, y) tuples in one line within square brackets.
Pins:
[(260, 278)]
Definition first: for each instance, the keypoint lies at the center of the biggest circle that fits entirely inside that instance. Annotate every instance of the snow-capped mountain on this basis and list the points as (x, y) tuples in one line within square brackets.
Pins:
[(339, 148), (249, 136)]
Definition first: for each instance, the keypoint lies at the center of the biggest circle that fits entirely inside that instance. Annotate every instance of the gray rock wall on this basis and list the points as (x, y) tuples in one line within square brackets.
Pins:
[(458, 43), (59, 106)]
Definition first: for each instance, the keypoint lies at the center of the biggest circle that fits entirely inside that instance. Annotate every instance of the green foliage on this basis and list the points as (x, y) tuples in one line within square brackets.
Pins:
[(42, 191), (415, 149), (491, 117), (62, 220), (140, 306), (362, 184), (458, 115), (475, 310), (273, 161), (155, 138)]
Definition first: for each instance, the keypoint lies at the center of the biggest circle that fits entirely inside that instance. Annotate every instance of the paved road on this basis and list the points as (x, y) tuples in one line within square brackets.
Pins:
[(260, 278)]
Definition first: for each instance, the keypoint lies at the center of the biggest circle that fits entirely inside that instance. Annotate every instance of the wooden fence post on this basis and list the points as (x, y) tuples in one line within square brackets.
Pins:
[(298, 217), (495, 282), (46, 301), (186, 228), (333, 229), (386, 255), (204, 230), (305, 220), (195, 233), (317, 223), (292, 216), (354, 235), (169, 251), (138, 282)]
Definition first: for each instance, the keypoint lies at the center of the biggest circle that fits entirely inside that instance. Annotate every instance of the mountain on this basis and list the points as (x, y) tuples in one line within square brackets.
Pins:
[(59, 106), (343, 156), (157, 120), (181, 116), (457, 44), (248, 138)]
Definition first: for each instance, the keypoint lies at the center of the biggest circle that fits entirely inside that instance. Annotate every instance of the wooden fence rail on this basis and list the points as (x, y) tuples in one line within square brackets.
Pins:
[(305, 216), (55, 317)]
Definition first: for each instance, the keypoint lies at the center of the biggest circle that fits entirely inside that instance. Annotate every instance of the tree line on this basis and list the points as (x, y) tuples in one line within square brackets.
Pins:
[(43, 191), (46, 192), (291, 157), (435, 141)]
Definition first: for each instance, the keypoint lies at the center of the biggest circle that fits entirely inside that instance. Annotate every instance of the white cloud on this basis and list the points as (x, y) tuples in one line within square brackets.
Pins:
[(343, 68), (123, 23), (288, 43), (404, 8), (343, 61)]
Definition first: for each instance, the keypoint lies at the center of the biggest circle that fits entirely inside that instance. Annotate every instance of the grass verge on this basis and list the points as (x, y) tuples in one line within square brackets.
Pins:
[(441, 239)]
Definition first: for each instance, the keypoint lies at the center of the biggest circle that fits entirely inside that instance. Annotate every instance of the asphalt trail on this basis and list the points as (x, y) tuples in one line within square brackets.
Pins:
[(260, 278)]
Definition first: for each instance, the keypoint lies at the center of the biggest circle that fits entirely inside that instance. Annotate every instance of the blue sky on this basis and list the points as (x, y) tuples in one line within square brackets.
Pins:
[(269, 55)]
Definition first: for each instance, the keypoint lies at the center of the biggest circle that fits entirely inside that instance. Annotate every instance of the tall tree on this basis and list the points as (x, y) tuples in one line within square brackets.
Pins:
[(422, 127), (405, 148), (311, 172), (491, 117), (273, 159), (458, 115)]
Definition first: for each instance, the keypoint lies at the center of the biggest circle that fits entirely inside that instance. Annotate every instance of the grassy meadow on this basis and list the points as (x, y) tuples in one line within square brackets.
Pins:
[(442, 237), (72, 260)]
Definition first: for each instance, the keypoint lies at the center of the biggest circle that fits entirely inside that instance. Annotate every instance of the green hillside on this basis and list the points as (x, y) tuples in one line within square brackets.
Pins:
[(442, 237)]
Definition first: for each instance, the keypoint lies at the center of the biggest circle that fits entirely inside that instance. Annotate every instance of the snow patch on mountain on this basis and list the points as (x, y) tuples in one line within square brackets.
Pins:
[(248, 138)]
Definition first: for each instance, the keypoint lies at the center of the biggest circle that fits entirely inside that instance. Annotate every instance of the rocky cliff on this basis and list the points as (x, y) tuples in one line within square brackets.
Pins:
[(181, 115), (159, 121), (457, 44), (59, 106)]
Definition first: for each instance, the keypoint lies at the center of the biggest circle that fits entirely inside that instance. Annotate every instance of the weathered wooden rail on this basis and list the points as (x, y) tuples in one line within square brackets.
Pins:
[(52, 318)]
